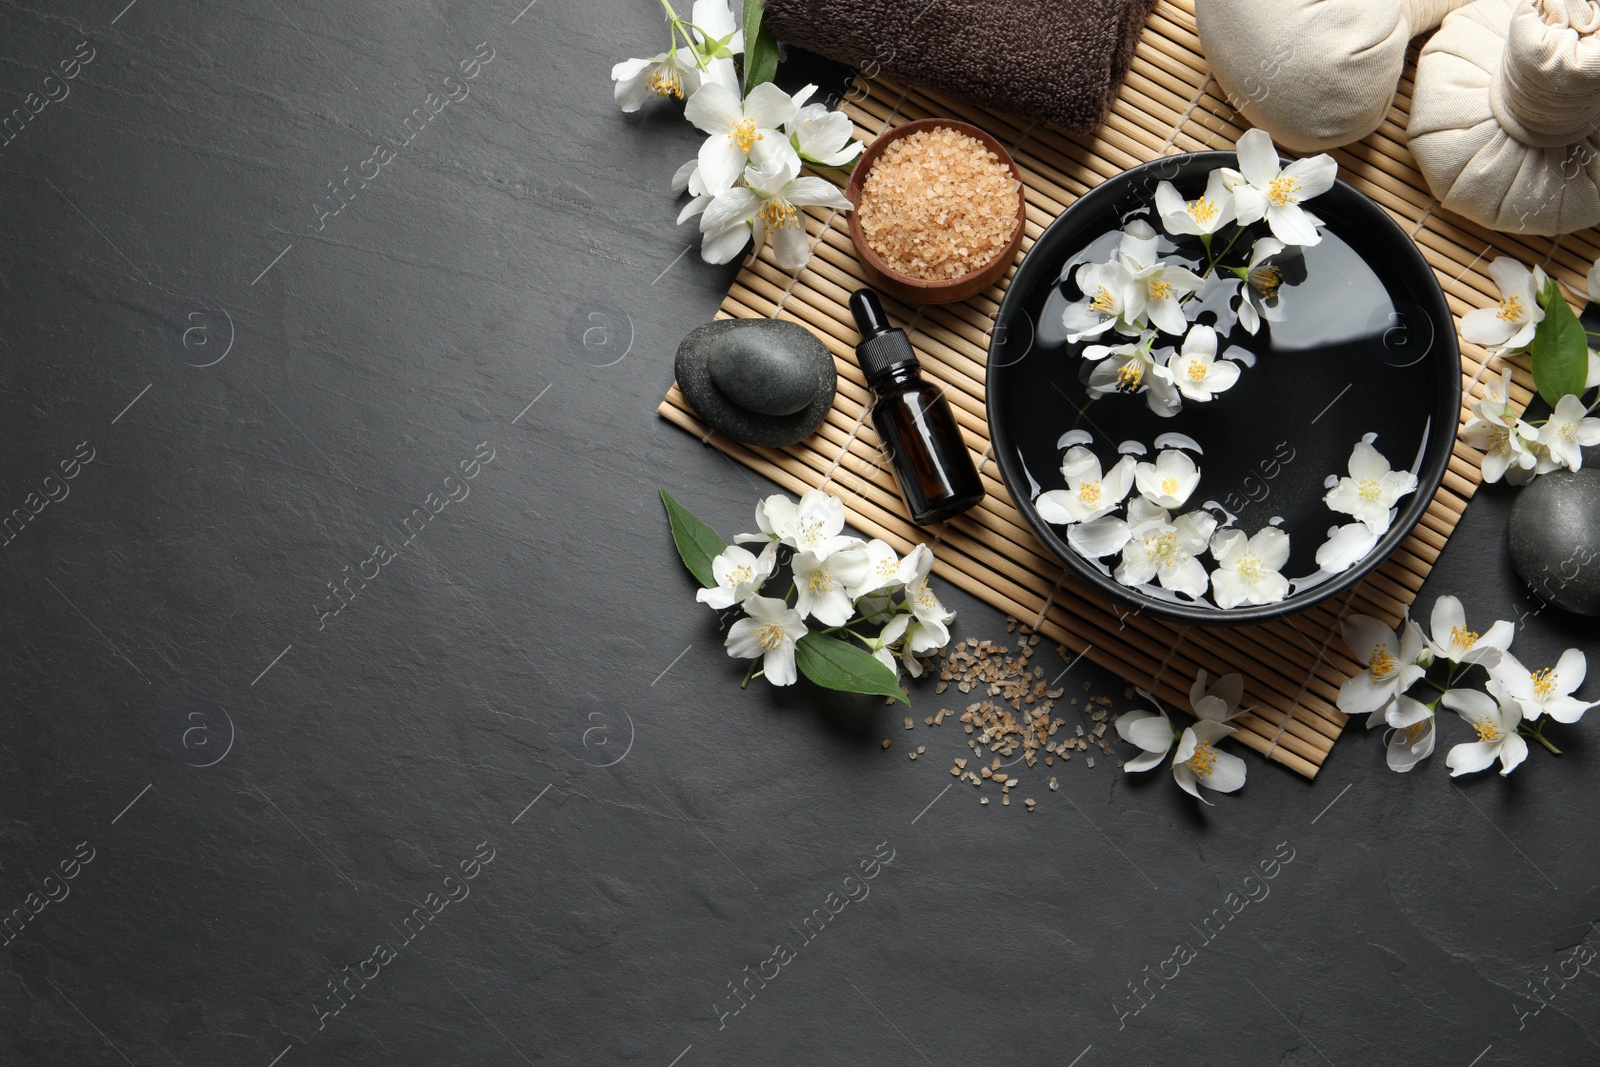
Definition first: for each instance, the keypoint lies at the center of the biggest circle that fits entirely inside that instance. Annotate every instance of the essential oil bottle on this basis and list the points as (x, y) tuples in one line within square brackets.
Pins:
[(913, 419)]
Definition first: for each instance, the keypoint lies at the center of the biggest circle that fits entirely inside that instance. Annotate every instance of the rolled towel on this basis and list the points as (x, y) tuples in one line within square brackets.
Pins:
[(1059, 62)]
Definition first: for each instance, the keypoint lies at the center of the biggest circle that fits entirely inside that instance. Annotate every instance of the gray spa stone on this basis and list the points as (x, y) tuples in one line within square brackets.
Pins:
[(761, 382), (1555, 539), (763, 371)]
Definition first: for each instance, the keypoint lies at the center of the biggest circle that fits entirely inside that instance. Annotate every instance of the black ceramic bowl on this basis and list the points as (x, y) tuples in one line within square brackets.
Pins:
[(1366, 345)]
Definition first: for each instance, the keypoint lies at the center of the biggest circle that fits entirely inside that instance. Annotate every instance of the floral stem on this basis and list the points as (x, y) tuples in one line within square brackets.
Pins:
[(680, 26), (1212, 261), (753, 672), (1537, 734)]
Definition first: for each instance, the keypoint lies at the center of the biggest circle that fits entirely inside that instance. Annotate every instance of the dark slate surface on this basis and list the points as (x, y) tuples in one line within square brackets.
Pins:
[(255, 778)]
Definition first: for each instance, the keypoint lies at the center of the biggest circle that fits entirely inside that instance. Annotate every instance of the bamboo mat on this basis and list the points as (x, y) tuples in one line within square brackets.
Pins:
[(1294, 665)]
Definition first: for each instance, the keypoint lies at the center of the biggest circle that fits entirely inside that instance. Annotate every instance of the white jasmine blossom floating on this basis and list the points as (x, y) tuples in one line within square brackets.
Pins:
[(1199, 762), (769, 633), (740, 575), (1165, 549), (1501, 435), (1370, 492), (1102, 308), (1390, 660), (1169, 481), (1248, 567), (770, 201), (1263, 188), (1452, 640), (1345, 547), (1568, 430), (1156, 288), (1098, 537), (1195, 369), (1259, 282), (1090, 492), (1130, 368), (1508, 326), (1542, 692), (1496, 724), (1200, 217)]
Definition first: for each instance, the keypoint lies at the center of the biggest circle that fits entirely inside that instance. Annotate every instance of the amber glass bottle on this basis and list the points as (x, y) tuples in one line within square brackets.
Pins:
[(913, 418)]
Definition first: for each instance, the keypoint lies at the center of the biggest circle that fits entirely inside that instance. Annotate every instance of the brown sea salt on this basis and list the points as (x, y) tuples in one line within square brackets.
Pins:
[(938, 204)]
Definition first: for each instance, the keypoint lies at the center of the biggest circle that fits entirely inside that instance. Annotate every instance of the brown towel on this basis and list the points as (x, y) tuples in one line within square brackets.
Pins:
[(1057, 61)]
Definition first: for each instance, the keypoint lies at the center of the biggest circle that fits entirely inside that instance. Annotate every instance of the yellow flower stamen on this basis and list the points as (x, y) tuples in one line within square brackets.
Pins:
[(1283, 191), (779, 214), (924, 596), (1463, 638), (1169, 487), (1488, 729), (1204, 759), (744, 134), (1103, 302), (1129, 376), (664, 81), (740, 574), (1089, 492), (1412, 733), (822, 582), (1568, 432), (1202, 210), (1265, 280), (1165, 550), (1383, 664), (1511, 309), (1197, 371), (1250, 568), (770, 636), (1369, 489), (1157, 289), (1544, 682)]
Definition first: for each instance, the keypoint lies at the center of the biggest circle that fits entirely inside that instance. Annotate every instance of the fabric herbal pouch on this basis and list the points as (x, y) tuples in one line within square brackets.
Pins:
[(1058, 62), (1316, 74), (1505, 117)]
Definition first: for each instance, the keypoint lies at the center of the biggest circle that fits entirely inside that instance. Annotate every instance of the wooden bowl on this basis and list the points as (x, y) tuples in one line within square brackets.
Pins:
[(904, 287)]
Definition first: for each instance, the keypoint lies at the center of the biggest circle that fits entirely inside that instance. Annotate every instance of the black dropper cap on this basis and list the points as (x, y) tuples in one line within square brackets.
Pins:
[(884, 347)]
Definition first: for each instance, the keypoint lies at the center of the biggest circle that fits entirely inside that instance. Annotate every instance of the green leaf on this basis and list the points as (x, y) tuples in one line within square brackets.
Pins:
[(1560, 348), (698, 544), (835, 664), (760, 49)]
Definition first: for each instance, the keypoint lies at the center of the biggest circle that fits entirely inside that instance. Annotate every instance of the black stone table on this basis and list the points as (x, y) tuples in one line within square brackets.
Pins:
[(357, 711)]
